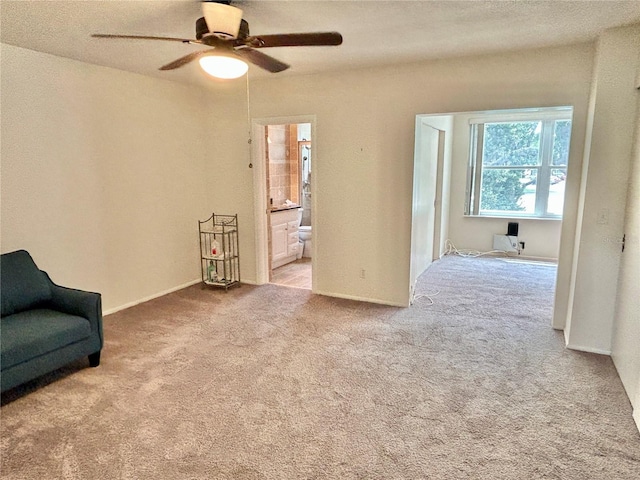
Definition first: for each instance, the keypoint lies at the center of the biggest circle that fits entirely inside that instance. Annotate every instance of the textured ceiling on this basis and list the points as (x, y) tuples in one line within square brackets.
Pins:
[(375, 32)]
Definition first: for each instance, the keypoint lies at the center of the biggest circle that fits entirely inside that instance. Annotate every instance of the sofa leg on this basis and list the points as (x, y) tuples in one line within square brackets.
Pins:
[(94, 359)]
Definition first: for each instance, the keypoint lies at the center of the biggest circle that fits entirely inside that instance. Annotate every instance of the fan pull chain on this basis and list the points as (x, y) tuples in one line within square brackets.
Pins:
[(249, 141)]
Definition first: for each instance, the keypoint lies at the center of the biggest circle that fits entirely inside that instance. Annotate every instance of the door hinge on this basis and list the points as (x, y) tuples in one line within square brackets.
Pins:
[(624, 239)]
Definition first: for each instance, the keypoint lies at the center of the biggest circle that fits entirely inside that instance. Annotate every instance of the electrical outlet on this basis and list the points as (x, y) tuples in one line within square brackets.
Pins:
[(603, 216), (362, 273)]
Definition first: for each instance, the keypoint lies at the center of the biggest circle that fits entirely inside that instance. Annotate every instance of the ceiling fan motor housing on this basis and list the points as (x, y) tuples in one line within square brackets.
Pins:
[(202, 29), (222, 20)]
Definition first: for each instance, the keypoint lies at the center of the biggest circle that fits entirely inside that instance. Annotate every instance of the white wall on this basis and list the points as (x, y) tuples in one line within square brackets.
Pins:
[(626, 328), (595, 268), (228, 165), (363, 157), (140, 136), (541, 236), (104, 174)]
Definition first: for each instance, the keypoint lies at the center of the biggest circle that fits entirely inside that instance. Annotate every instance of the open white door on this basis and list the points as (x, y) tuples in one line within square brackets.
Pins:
[(424, 195)]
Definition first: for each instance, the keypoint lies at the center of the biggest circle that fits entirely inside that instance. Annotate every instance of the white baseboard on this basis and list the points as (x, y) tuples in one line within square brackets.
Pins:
[(359, 299), (589, 349), (150, 297), (526, 258)]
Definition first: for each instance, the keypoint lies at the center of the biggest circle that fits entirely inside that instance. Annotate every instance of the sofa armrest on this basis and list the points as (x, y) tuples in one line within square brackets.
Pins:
[(78, 302)]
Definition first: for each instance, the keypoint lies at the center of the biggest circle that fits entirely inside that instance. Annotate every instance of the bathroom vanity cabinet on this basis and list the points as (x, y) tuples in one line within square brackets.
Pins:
[(285, 243), (219, 254)]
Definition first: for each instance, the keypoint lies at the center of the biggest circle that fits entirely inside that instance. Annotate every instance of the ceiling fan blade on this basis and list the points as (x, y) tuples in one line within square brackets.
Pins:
[(261, 60), (145, 37), (184, 60), (317, 39)]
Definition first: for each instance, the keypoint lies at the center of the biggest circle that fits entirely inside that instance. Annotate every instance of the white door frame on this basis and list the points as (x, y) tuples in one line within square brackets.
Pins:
[(260, 208)]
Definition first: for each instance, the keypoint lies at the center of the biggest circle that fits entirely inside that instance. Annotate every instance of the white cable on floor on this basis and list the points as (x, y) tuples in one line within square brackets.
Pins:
[(451, 249), (428, 296)]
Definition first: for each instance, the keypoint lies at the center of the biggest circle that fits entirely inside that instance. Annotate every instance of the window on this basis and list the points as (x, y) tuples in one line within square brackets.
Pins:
[(518, 163)]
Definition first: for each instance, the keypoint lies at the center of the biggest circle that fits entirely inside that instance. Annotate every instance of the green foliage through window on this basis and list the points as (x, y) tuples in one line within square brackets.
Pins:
[(510, 144), (521, 166), (502, 189)]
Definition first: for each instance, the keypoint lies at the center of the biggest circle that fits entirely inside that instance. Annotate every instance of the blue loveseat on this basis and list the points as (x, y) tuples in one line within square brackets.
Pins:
[(43, 326)]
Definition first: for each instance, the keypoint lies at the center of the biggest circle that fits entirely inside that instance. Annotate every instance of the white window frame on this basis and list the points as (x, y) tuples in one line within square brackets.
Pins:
[(548, 117)]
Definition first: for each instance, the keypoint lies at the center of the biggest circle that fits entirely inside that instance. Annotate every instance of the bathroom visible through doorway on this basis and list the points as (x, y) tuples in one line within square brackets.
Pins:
[(285, 155)]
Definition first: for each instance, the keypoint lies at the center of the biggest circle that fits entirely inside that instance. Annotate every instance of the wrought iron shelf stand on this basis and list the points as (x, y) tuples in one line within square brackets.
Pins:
[(219, 253)]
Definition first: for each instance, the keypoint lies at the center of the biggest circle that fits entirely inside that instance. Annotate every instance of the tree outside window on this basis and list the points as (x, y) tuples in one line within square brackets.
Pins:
[(519, 168)]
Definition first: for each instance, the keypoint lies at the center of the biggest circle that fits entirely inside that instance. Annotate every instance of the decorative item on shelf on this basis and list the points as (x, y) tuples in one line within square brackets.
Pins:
[(219, 254), (212, 276)]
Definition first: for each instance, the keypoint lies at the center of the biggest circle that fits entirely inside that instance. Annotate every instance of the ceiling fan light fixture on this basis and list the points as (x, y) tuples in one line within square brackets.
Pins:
[(223, 66), (219, 29), (222, 20)]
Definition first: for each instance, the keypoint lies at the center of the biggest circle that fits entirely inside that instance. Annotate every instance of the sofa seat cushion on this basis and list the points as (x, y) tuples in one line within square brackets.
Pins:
[(32, 333)]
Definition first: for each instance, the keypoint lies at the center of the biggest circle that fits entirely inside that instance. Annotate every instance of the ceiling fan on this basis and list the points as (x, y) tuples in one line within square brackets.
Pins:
[(223, 28)]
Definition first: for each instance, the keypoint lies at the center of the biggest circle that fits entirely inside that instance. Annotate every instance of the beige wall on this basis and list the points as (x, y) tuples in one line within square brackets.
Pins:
[(363, 161), (364, 148), (606, 169), (104, 174), (626, 331)]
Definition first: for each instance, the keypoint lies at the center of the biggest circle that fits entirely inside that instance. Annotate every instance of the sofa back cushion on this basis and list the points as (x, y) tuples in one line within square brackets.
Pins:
[(23, 285)]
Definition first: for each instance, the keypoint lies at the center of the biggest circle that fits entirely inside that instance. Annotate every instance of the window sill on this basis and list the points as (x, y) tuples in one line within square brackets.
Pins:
[(515, 217)]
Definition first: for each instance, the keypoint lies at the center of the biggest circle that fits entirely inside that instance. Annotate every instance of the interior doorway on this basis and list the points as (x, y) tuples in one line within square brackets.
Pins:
[(284, 202), (460, 186)]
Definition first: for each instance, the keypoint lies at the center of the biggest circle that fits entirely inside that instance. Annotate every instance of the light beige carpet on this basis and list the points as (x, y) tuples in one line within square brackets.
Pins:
[(276, 383)]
